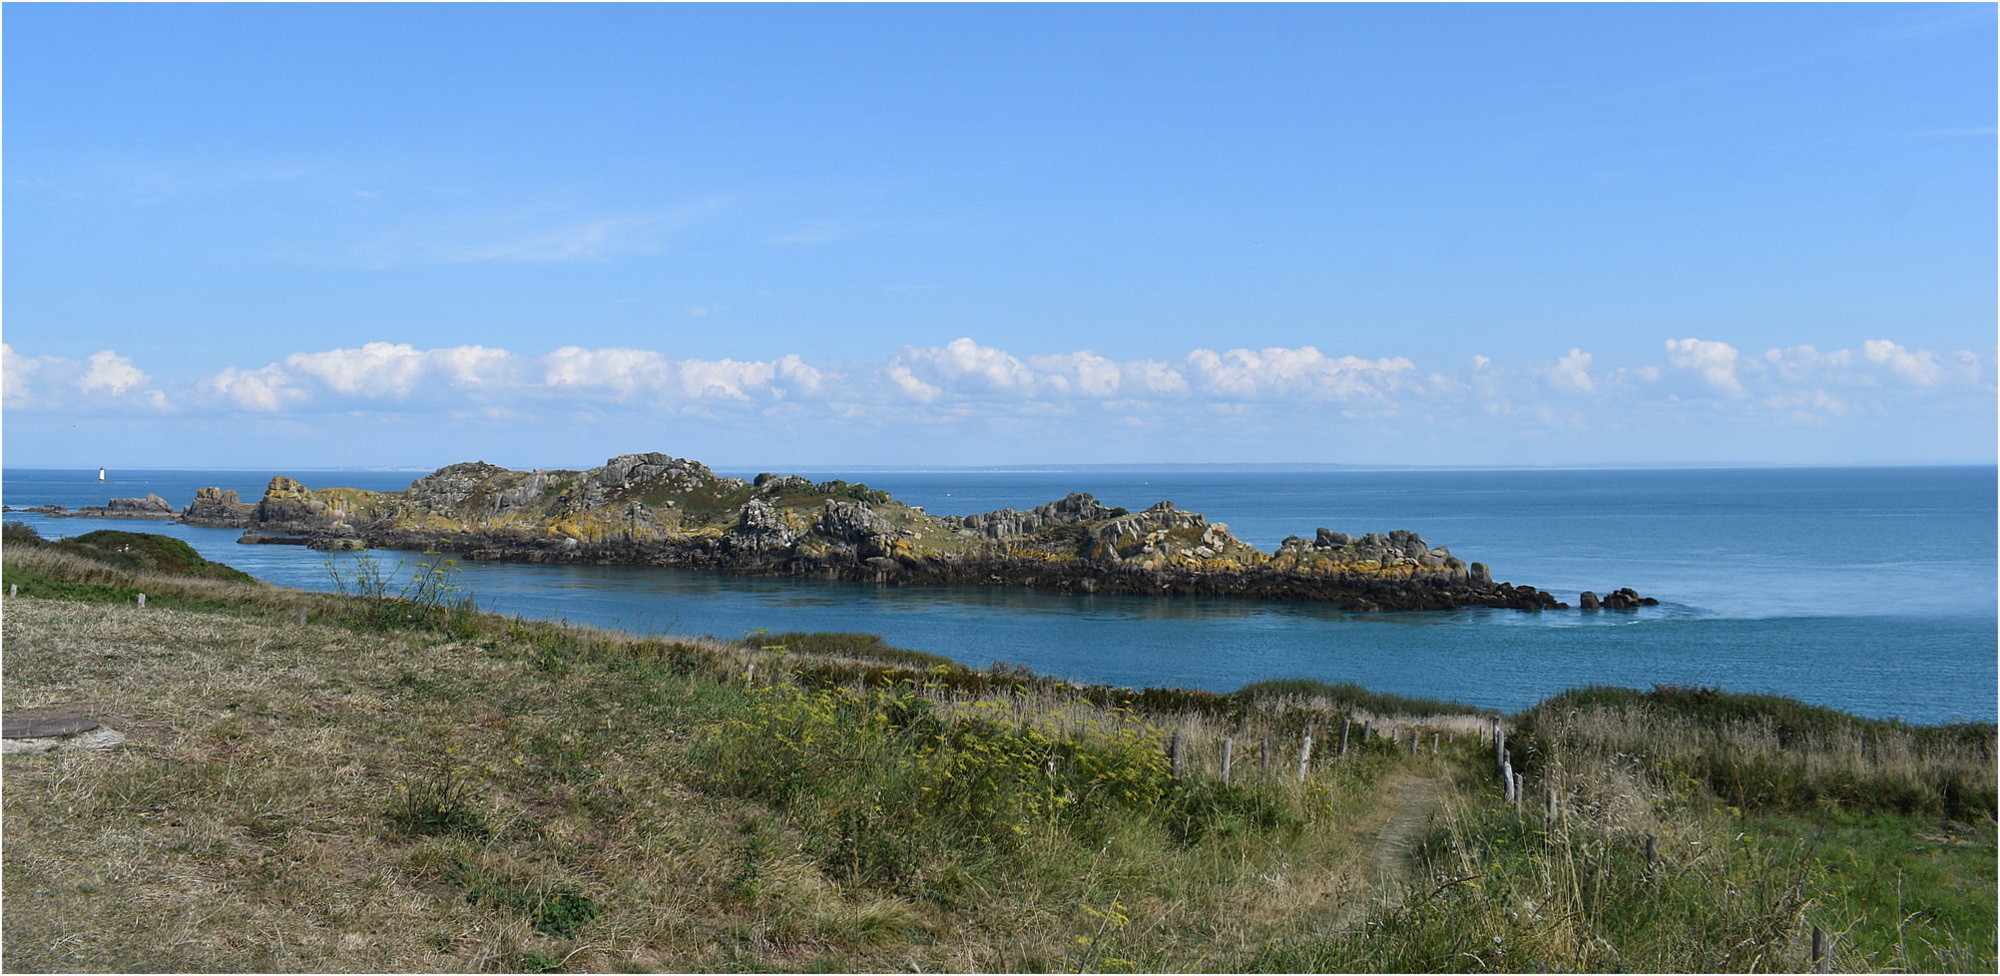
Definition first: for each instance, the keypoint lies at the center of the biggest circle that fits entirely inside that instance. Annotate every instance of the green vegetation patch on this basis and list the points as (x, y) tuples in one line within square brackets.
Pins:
[(1354, 696), (131, 550), (865, 647), (892, 794), (1913, 894), (1769, 753)]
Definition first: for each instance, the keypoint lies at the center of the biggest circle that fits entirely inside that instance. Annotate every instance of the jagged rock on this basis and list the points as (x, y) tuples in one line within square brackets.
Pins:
[(1587, 601), (655, 509), (760, 527), (1626, 598), (853, 525), (218, 508), (149, 507), (1007, 523), (771, 484)]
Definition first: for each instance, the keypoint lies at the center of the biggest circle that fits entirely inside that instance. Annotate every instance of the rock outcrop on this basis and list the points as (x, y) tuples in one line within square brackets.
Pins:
[(149, 507), (653, 509), (218, 508)]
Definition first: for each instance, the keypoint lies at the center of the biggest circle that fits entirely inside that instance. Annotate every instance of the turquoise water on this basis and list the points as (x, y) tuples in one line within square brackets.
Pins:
[(1868, 589)]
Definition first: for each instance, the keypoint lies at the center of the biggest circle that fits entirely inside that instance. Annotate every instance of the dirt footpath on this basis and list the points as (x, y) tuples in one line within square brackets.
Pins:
[(1411, 804)]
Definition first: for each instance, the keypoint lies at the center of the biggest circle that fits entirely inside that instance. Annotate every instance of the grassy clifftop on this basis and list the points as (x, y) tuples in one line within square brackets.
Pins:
[(411, 786)]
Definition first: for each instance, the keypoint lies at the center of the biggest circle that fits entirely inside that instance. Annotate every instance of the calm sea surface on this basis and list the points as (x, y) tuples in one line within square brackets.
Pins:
[(1868, 589)]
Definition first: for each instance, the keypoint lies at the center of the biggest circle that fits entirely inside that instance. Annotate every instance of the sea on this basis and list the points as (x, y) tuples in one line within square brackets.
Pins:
[(1872, 590)]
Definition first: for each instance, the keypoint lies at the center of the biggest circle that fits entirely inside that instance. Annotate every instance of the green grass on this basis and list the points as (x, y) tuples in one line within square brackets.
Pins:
[(1768, 753), (1900, 892), (129, 550), (1352, 696), (865, 647), (449, 790)]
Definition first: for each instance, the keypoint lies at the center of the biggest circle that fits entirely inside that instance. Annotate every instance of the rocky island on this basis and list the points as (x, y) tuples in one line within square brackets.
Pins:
[(656, 510)]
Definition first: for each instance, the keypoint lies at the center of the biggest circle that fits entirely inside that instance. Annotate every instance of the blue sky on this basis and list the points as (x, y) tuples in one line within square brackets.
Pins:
[(384, 234)]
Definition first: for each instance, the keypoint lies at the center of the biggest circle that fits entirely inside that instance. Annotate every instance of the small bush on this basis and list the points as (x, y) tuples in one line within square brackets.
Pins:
[(554, 910), (1766, 752), (440, 803), (866, 647)]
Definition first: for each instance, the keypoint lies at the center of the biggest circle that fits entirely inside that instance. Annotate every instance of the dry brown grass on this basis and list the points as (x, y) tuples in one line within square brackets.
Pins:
[(249, 823)]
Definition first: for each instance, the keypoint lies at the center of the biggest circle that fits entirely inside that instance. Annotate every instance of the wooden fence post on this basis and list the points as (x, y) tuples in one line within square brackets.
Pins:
[(13, 590), (1553, 809), (1434, 743), (142, 601), (1264, 758), (1507, 781), (1414, 736), (1652, 858), (1228, 757), (1174, 754), (1822, 951), (1520, 787), (1344, 727), (1305, 755)]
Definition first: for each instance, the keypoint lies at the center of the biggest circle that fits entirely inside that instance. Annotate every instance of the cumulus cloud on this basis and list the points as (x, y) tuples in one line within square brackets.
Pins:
[(1084, 373), (17, 374), (263, 390), (110, 373), (620, 370), (965, 384), (1572, 373), (104, 379), (1304, 373), (1715, 361), (1919, 367), (961, 366), (376, 369)]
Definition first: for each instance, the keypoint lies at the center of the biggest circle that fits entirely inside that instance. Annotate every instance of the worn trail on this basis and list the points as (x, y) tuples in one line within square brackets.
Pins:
[(1412, 802)]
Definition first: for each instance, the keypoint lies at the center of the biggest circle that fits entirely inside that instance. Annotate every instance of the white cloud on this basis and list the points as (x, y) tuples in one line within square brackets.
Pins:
[(971, 387), (102, 380), (17, 373), (1304, 372), (1572, 373), (621, 370), (962, 366), (801, 379), (111, 373), (906, 382), (1084, 373), (1715, 361), (264, 390), (375, 369), (1918, 367), (399, 370), (476, 366), (1155, 377)]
